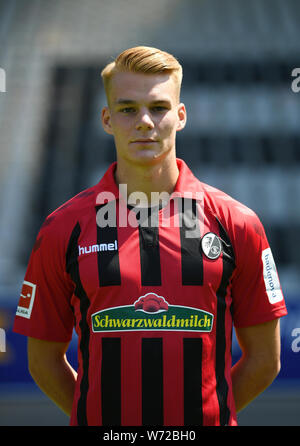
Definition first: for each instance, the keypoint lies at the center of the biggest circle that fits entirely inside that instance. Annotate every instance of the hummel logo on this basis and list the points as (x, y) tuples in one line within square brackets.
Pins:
[(96, 248)]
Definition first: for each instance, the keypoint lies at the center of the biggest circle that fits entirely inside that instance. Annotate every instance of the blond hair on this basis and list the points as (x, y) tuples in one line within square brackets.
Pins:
[(143, 59)]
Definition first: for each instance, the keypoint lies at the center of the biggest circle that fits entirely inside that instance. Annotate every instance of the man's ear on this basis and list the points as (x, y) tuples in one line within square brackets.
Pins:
[(106, 120), (181, 117)]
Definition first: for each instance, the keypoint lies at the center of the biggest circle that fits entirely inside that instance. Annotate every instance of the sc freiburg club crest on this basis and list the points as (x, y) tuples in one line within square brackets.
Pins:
[(211, 246)]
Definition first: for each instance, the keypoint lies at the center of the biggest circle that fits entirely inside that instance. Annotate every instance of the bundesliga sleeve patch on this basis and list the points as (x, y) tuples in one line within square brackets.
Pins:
[(26, 299), (271, 277)]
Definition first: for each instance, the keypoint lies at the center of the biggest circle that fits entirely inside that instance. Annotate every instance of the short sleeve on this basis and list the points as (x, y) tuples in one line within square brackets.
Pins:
[(44, 310), (256, 290)]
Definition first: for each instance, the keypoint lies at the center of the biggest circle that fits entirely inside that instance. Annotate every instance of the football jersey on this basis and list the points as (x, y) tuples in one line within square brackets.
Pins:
[(153, 297)]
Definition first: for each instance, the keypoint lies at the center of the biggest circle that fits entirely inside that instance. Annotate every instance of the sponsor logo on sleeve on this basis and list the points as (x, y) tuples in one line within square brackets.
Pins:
[(152, 313), (271, 277), (26, 299)]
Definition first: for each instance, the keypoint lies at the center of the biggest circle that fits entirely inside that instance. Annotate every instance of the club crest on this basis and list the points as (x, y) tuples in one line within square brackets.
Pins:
[(211, 246)]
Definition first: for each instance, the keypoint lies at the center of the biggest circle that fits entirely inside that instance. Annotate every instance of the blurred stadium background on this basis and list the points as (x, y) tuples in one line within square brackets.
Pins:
[(243, 136)]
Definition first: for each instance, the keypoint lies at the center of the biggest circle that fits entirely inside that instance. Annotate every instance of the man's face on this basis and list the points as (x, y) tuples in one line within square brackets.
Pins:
[(143, 115)]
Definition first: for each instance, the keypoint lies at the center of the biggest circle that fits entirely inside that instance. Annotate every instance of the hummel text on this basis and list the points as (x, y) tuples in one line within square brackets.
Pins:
[(96, 248)]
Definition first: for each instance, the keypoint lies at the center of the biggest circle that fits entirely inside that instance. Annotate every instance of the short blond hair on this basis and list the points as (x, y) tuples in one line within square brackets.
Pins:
[(143, 59)]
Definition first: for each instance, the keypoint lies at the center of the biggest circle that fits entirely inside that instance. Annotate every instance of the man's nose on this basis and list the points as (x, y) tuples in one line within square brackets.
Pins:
[(144, 120)]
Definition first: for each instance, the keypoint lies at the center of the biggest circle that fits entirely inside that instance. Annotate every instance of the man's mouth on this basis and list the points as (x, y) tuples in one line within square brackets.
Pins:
[(144, 141)]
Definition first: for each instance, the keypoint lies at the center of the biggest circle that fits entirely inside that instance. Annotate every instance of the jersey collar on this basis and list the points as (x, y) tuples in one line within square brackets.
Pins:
[(187, 185)]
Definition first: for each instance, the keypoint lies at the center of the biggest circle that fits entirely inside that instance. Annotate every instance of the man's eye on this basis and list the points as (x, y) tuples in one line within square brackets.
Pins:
[(127, 110), (159, 108)]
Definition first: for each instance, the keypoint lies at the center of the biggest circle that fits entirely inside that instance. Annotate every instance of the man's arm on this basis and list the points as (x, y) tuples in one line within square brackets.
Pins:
[(260, 361), (51, 371)]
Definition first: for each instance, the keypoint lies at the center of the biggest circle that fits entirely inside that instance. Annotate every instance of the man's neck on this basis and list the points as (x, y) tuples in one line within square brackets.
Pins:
[(159, 178)]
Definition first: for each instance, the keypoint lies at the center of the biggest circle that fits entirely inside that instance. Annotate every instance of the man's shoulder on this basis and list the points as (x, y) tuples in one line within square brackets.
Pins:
[(224, 206), (70, 212), (78, 201), (229, 210)]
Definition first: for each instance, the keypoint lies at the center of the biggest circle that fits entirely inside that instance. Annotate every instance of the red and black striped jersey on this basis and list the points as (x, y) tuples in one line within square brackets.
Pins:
[(153, 298)]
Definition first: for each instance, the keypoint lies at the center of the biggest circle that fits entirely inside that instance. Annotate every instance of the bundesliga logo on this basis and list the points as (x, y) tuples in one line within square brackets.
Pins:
[(26, 299)]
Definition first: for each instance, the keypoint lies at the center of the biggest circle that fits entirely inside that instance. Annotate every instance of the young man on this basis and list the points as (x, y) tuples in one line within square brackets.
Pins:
[(153, 297)]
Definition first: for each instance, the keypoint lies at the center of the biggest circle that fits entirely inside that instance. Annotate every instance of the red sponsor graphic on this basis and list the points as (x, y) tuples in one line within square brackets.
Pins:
[(151, 303), (26, 299)]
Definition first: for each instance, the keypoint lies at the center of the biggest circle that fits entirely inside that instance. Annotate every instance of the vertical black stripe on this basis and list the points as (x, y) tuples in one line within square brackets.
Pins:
[(152, 382), (191, 253), (192, 367), (72, 268), (111, 382), (149, 251), (108, 253), (221, 382)]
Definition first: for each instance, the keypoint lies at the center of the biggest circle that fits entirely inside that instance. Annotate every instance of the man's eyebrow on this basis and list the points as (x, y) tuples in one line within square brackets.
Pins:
[(130, 101), (125, 101), (161, 101)]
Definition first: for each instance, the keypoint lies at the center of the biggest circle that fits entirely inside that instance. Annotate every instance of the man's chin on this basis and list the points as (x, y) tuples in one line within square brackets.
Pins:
[(146, 158)]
